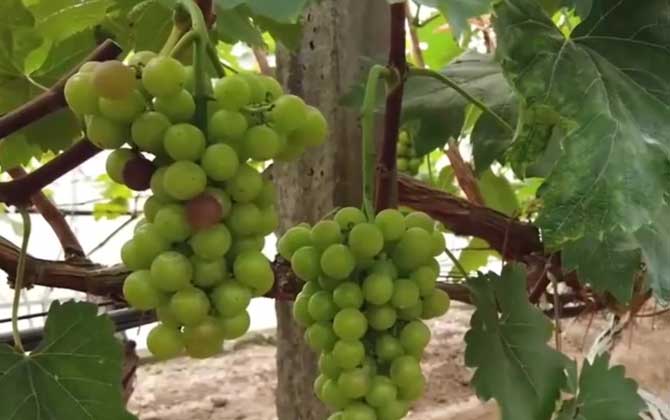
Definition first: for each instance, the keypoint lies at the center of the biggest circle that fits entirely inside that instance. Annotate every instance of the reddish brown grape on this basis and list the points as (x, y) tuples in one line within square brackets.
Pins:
[(203, 211), (137, 173)]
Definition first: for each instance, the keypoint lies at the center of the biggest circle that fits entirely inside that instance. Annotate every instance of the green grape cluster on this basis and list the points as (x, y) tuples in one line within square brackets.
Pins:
[(406, 158), (368, 286), (196, 258)]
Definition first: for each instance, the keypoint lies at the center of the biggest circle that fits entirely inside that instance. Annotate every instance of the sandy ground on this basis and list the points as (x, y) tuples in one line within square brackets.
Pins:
[(240, 384)]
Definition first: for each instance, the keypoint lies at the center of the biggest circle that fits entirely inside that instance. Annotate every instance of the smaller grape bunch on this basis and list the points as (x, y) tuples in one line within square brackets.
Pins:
[(368, 284), (406, 158), (196, 258)]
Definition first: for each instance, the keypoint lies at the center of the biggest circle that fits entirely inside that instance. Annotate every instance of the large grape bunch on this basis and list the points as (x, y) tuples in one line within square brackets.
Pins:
[(368, 286), (406, 158), (196, 259)]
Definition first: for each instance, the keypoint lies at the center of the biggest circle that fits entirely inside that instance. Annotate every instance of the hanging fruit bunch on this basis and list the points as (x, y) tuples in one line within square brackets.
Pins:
[(368, 286), (406, 157), (196, 259)]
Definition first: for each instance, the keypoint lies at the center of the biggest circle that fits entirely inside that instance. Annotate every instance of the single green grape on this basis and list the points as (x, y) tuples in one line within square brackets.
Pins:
[(348, 354), (359, 411), (204, 339), (273, 90), (190, 306), (332, 395), (405, 294), (421, 220), (348, 217), (163, 76), (80, 94), (269, 221), (171, 223), (300, 311), (245, 185), (320, 337), (211, 243), (179, 107), (435, 304), (425, 278), (326, 233), (184, 142), (256, 86), (151, 207), (184, 180), (230, 298), (114, 80), (327, 365), (244, 219), (165, 342), (337, 261), (171, 271), (149, 242), (388, 347), (288, 113), (413, 250), (105, 133), (262, 143), (139, 292), (220, 162), (148, 130), (133, 259), (236, 326), (232, 92), (208, 273), (294, 239), (354, 383), (405, 369), (226, 124), (381, 392), (321, 306), (313, 129), (366, 240), (123, 110), (349, 324), (348, 295), (253, 269), (378, 288), (391, 222), (381, 317)]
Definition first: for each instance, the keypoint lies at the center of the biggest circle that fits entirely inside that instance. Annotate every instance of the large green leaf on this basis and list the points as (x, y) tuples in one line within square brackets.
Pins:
[(459, 11), (57, 20), (608, 84), (507, 345), (604, 393), (74, 374), (475, 256), (654, 240), (439, 111), (235, 25), (609, 265), (498, 193)]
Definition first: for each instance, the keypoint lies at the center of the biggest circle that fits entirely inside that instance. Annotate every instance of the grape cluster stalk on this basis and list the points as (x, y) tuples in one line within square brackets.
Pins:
[(196, 257), (368, 284), (406, 157)]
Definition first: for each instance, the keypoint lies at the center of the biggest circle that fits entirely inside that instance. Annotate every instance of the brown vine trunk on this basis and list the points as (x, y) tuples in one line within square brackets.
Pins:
[(322, 69)]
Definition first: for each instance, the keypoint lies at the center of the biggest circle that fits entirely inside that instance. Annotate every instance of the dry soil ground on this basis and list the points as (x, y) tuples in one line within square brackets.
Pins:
[(240, 384)]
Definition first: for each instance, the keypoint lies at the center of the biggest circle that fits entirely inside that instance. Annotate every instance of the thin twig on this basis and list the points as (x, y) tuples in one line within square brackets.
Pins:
[(67, 238), (417, 54), (456, 263), (112, 234), (557, 310), (18, 284), (262, 60)]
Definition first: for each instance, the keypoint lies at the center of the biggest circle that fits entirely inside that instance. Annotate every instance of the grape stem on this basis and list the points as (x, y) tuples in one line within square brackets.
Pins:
[(183, 43), (18, 284), (176, 34), (202, 81), (377, 72), (219, 67), (464, 93)]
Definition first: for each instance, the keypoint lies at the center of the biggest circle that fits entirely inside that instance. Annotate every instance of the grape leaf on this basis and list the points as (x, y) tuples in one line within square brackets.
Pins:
[(475, 256), (441, 47), (459, 11), (654, 240), (509, 349), (439, 111), (57, 20), (609, 265), (498, 194), (74, 374), (608, 83), (286, 11), (289, 34), (150, 26), (235, 25), (15, 150), (603, 393)]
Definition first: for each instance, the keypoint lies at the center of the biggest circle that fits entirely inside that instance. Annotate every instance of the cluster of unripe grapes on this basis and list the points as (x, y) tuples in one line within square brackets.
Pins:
[(406, 158), (368, 286), (196, 259)]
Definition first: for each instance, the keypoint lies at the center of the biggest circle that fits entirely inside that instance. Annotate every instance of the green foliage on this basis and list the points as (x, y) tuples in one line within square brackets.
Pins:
[(440, 112), (117, 199), (75, 373), (441, 47), (459, 11), (498, 193), (475, 256), (612, 172), (507, 345), (603, 393)]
